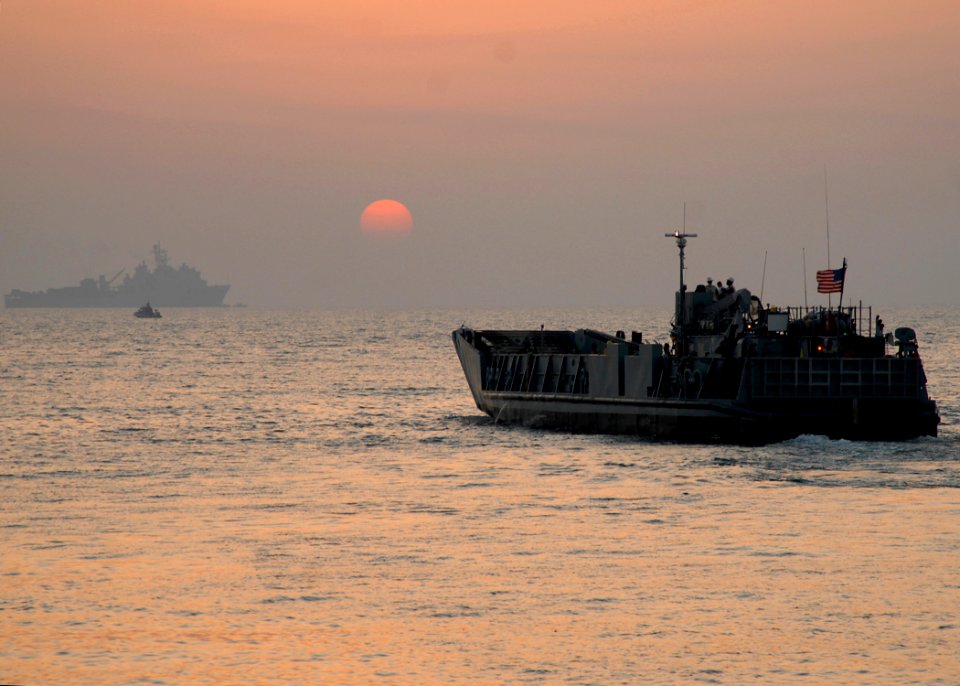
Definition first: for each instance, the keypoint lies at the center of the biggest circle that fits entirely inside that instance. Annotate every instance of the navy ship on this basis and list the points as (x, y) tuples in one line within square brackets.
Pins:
[(163, 285), (734, 371)]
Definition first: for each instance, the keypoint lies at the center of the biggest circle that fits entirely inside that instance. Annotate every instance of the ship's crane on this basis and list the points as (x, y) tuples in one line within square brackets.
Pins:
[(104, 284)]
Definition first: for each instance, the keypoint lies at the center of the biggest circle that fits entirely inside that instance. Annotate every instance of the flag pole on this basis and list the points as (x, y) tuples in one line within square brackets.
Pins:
[(843, 283)]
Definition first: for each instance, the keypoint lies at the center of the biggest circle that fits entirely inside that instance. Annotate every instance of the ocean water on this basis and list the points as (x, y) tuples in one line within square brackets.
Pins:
[(235, 496)]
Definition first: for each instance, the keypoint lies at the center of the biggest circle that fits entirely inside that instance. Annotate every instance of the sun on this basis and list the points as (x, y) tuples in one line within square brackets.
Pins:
[(385, 218)]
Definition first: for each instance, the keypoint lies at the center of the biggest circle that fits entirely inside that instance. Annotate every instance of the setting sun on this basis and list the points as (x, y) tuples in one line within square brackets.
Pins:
[(386, 218)]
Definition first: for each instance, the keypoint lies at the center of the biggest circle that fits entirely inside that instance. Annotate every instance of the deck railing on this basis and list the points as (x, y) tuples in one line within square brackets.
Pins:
[(861, 317)]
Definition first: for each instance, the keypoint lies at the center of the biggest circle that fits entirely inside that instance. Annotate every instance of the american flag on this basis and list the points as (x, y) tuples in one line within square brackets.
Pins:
[(831, 280)]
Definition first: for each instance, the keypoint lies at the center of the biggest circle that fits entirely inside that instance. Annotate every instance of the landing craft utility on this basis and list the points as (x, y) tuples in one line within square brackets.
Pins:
[(736, 371)]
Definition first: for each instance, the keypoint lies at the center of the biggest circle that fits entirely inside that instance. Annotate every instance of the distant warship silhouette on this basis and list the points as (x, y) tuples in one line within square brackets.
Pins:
[(164, 286)]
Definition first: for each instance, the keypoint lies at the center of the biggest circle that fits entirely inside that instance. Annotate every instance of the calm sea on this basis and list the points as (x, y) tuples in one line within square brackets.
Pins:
[(235, 496)]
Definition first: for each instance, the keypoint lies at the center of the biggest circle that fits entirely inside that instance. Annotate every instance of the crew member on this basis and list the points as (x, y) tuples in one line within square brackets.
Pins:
[(712, 289)]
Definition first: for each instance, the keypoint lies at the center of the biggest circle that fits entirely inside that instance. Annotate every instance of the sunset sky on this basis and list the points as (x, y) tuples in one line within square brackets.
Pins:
[(543, 148)]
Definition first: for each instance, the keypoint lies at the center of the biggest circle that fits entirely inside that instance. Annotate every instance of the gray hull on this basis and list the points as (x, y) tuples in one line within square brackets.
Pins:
[(741, 418), (209, 296)]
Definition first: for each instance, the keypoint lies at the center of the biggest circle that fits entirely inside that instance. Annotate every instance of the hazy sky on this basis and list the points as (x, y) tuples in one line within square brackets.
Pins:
[(543, 148)]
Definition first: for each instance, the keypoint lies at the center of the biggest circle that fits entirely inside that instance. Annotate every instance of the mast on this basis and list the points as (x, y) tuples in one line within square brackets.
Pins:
[(843, 282), (763, 279), (160, 256), (826, 209), (681, 236), (804, 254)]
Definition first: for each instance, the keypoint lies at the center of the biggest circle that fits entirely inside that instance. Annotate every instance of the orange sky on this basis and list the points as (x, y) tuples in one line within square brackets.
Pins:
[(197, 59), (151, 120)]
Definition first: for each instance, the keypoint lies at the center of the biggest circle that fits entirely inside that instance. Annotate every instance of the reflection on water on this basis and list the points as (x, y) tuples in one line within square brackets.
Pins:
[(250, 497)]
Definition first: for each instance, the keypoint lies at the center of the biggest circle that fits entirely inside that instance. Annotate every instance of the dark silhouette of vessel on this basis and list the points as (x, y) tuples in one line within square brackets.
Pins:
[(147, 312), (735, 371), (164, 285)]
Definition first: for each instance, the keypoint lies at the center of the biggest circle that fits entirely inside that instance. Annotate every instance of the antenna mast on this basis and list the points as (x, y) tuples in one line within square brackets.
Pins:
[(763, 279), (804, 253), (681, 236), (826, 207)]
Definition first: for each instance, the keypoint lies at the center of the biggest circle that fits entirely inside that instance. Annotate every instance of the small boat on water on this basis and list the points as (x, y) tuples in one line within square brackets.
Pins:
[(147, 312), (734, 371)]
